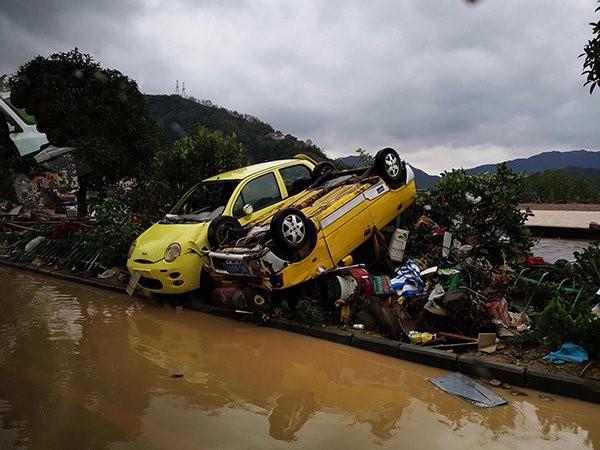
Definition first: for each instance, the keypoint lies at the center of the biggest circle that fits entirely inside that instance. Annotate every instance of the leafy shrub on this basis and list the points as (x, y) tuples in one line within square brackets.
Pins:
[(482, 205), (309, 312), (561, 323), (587, 263), (114, 230)]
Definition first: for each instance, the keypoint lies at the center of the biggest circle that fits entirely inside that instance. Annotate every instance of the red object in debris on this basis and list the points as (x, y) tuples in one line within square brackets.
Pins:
[(440, 230), (535, 261), (66, 230), (364, 280)]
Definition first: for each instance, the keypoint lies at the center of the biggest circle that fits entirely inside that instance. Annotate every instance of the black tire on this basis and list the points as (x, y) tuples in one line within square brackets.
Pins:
[(289, 229), (322, 168), (390, 167), (219, 229)]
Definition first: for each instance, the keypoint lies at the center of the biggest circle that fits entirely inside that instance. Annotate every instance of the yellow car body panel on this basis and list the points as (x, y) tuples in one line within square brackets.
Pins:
[(183, 274)]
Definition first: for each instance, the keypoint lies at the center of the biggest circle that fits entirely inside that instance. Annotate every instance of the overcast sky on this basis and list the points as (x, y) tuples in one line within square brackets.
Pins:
[(445, 82)]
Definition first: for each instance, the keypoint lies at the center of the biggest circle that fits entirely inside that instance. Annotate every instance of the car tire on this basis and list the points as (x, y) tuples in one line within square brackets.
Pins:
[(219, 228), (289, 229), (390, 167), (321, 169)]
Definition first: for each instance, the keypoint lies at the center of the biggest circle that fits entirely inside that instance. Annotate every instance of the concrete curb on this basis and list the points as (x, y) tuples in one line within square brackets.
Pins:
[(488, 369), (374, 344), (330, 334), (288, 325), (568, 386), (428, 356)]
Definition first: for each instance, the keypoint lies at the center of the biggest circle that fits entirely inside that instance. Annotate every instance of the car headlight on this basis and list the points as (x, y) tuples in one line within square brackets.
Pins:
[(131, 249), (172, 252)]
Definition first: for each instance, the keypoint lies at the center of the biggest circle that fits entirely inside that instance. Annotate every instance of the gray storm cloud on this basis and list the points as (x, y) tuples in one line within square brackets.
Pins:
[(448, 83)]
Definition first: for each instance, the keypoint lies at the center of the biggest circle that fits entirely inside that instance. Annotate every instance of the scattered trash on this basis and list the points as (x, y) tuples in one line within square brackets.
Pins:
[(464, 387), (516, 393), (568, 352), (35, 242), (358, 326), (398, 245), (108, 273), (420, 338), (408, 280), (545, 398), (432, 304), (486, 342)]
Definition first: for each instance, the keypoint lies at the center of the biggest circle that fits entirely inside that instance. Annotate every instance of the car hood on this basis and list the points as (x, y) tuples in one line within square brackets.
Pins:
[(152, 243)]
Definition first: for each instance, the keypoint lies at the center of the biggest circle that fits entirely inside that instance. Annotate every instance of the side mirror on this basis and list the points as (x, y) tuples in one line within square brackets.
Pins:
[(248, 209)]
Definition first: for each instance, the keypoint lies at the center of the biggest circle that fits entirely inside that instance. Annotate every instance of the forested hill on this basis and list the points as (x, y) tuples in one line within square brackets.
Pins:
[(181, 117)]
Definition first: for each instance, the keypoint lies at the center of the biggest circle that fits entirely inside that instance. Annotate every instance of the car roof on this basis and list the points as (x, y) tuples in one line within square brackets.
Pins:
[(244, 172)]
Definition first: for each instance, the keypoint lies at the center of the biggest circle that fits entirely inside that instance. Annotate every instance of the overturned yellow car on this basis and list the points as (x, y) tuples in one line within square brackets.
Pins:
[(316, 230)]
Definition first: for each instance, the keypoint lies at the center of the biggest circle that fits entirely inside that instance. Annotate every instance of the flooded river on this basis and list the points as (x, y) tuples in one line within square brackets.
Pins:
[(86, 368)]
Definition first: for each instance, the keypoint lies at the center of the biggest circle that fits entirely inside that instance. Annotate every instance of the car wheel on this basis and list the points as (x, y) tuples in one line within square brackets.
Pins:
[(390, 167), (289, 229), (321, 169), (219, 229)]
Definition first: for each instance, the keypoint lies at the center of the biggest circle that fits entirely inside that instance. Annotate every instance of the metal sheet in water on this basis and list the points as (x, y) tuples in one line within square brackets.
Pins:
[(463, 386)]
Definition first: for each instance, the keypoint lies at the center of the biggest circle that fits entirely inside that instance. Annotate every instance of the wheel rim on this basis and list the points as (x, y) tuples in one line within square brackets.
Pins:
[(293, 229), (392, 165)]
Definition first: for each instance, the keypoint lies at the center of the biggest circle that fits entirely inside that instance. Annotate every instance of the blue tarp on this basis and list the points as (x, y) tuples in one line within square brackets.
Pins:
[(568, 352)]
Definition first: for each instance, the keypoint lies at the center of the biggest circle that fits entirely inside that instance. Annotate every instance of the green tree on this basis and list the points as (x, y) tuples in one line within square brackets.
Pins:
[(482, 205), (591, 64), (100, 112), (190, 160)]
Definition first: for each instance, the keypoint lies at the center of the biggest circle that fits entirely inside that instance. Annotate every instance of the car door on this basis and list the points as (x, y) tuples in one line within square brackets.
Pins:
[(261, 193)]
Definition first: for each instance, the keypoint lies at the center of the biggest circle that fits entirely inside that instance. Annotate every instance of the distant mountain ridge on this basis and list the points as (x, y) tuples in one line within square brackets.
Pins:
[(575, 163), (546, 161)]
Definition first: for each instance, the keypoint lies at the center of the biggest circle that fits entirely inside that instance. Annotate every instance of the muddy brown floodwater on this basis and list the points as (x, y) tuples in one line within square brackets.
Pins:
[(86, 368)]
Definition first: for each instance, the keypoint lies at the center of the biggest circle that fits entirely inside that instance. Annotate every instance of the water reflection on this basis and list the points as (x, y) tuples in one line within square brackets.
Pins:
[(83, 368)]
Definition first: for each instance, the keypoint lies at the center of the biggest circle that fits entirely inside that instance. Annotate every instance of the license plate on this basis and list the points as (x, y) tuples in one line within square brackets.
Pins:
[(240, 269), (133, 282)]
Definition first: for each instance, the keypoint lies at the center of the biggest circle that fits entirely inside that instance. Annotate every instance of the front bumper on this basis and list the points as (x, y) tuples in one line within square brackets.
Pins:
[(178, 277), (258, 265)]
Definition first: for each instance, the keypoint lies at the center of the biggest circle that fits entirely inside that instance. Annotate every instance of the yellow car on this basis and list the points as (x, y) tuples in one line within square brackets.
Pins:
[(316, 230), (167, 259)]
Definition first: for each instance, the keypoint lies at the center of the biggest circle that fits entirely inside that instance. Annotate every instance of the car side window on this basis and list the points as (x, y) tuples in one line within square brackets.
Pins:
[(296, 178), (260, 193)]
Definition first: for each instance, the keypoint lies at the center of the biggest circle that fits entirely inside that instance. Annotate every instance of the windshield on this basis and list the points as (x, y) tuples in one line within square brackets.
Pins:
[(202, 203)]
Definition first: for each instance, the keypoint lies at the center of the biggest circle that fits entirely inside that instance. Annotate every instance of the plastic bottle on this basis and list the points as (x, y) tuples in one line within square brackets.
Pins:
[(417, 337)]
